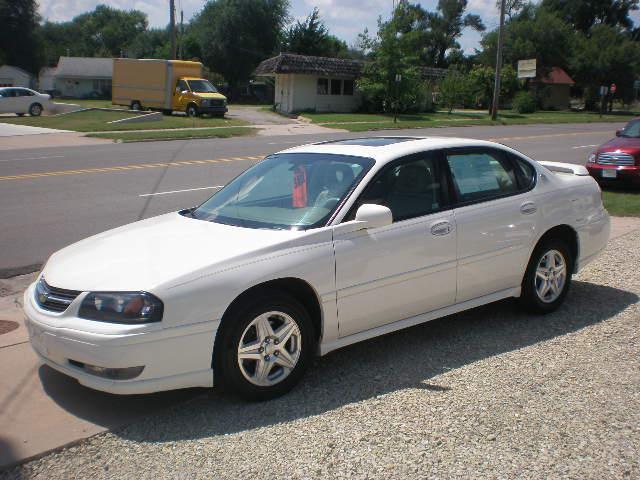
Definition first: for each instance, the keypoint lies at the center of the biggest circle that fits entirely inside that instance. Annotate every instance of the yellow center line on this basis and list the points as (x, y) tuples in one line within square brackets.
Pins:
[(83, 171)]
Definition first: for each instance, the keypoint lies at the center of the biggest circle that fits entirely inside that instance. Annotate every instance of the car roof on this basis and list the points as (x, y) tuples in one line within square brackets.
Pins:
[(385, 148)]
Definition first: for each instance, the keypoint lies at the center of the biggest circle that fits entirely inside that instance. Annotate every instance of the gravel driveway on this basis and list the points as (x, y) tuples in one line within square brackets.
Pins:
[(490, 393)]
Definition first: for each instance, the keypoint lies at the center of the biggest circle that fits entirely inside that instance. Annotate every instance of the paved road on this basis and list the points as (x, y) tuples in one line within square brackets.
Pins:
[(53, 197)]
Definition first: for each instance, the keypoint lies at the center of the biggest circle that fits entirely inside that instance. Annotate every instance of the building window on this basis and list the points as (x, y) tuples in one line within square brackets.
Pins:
[(323, 86), (336, 87), (348, 87)]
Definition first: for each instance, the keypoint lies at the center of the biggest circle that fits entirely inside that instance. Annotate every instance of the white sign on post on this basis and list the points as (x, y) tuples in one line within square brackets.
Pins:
[(604, 91), (527, 68)]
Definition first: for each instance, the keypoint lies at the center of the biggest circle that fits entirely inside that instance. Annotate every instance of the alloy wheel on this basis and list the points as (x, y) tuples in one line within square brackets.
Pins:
[(269, 348), (551, 276)]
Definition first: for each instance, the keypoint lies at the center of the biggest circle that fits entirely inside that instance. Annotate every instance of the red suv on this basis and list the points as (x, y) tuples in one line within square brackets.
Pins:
[(618, 160)]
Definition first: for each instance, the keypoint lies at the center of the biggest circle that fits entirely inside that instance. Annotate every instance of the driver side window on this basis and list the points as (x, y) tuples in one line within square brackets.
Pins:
[(182, 85), (409, 189)]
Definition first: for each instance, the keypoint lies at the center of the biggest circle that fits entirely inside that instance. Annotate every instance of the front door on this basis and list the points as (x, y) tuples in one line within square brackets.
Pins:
[(180, 96), (8, 101), (395, 272), (496, 220)]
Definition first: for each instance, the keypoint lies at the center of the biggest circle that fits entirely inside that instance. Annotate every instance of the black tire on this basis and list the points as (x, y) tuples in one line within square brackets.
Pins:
[(20, 114), (227, 373), (192, 110), (136, 105), (529, 297), (167, 112), (35, 110)]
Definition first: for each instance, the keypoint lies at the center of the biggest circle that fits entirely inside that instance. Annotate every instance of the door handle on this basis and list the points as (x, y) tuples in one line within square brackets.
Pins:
[(441, 228), (528, 208)]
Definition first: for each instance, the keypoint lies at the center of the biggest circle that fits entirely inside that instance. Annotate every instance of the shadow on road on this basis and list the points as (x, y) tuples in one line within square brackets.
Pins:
[(407, 359)]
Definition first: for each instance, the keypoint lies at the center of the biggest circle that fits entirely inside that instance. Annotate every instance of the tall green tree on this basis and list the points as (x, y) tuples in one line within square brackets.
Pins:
[(511, 7), (391, 80), (19, 44), (444, 28), (585, 14), (482, 81), (236, 35), (311, 37)]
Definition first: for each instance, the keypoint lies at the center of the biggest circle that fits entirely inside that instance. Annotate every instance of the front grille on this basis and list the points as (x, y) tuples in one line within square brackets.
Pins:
[(216, 103), (613, 158), (52, 298)]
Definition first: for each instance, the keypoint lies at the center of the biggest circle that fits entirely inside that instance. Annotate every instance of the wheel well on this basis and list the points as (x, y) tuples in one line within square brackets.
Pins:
[(569, 235), (299, 289)]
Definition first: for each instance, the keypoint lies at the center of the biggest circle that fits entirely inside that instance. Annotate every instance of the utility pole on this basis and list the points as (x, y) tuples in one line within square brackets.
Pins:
[(172, 28), (496, 83), (181, 34)]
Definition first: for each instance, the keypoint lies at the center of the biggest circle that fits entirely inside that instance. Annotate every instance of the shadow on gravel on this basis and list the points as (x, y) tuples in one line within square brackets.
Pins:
[(405, 359)]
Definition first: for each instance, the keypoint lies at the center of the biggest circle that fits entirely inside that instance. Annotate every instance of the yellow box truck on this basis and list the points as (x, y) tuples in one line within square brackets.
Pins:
[(165, 85)]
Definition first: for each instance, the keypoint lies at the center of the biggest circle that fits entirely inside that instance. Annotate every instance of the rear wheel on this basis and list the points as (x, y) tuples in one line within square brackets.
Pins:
[(264, 349), (35, 110), (548, 276), (136, 105)]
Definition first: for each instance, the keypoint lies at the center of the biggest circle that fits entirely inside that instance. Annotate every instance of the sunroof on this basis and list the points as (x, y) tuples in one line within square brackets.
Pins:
[(370, 141)]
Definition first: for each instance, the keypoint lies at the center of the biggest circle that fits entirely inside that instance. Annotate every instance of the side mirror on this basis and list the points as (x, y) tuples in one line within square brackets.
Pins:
[(375, 216), (618, 133)]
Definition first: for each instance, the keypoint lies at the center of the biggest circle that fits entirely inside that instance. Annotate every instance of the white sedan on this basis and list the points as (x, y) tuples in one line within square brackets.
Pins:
[(21, 100), (310, 250)]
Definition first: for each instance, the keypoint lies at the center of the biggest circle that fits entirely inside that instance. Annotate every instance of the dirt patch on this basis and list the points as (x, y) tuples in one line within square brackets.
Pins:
[(7, 326)]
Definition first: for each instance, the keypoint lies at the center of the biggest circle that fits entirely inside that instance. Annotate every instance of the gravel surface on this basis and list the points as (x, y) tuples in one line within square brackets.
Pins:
[(490, 393)]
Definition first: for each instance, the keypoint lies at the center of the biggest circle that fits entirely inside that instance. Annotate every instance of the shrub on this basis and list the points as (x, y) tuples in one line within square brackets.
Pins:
[(524, 102)]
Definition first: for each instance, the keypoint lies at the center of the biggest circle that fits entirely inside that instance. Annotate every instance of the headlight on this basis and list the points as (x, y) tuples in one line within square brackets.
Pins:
[(593, 157), (121, 307)]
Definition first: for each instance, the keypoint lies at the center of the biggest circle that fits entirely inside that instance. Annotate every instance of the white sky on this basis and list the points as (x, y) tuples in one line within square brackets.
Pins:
[(344, 18)]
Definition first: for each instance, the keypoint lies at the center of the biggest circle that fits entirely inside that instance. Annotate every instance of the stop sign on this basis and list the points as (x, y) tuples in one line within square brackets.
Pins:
[(613, 88)]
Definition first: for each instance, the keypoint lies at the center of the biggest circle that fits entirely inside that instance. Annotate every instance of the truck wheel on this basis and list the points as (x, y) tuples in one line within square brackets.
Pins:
[(192, 110), (167, 112), (136, 105), (35, 110)]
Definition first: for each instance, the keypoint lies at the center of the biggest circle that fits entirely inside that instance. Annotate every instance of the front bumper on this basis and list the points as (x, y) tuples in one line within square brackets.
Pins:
[(213, 109), (177, 357), (629, 175)]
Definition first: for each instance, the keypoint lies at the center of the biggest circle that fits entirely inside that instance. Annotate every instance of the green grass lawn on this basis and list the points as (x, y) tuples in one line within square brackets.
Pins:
[(97, 121), (89, 103), (175, 134), (622, 203), (360, 122)]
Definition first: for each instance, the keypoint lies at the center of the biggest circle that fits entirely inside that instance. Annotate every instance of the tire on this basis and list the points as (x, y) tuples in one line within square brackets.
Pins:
[(35, 110), (239, 328), (20, 114), (534, 282), (192, 110), (136, 105), (167, 113)]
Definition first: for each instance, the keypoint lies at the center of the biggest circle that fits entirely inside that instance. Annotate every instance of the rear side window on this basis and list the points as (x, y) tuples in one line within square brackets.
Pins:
[(481, 175), (525, 172)]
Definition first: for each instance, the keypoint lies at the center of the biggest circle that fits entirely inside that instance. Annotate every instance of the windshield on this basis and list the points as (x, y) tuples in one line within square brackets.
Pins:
[(292, 191), (202, 86), (632, 130)]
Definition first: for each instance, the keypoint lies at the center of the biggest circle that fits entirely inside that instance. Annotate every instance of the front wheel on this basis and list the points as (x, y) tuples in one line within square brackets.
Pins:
[(192, 111), (35, 110), (265, 349), (548, 277)]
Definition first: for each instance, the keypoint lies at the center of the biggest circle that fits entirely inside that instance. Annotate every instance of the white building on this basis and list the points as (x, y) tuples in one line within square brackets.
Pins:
[(15, 77), (319, 84), (46, 79), (79, 77)]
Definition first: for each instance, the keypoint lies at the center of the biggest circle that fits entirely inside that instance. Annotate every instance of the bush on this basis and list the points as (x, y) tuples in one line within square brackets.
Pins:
[(524, 102)]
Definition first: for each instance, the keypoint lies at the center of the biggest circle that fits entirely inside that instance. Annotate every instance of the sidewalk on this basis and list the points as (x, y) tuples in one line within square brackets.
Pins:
[(41, 410)]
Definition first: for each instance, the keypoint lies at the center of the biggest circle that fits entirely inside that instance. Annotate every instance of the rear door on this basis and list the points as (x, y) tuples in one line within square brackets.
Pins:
[(496, 218), (407, 268), (8, 100)]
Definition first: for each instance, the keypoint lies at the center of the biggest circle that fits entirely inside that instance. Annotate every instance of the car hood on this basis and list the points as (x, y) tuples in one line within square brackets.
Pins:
[(157, 251), (624, 144), (210, 95)]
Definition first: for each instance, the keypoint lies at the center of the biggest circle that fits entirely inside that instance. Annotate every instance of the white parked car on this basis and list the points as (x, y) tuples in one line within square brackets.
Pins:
[(21, 100), (310, 250)]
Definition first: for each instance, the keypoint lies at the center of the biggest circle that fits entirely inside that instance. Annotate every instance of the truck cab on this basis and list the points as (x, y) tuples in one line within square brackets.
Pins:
[(197, 96)]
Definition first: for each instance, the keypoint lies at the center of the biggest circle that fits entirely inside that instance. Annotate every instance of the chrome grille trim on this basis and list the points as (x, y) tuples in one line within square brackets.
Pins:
[(52, 298), (613, 158)]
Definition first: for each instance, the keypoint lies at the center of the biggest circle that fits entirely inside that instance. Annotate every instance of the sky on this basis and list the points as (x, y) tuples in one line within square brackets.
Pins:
[(344, 18)]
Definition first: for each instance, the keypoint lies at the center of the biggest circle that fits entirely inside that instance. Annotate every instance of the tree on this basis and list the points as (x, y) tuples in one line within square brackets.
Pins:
[(391, 80), (533, 33), (19, 44), (511, 7), (603, 58), (444, 27), (236, 35), (455, 88), (311, 37), (585, 14), (482, 80)]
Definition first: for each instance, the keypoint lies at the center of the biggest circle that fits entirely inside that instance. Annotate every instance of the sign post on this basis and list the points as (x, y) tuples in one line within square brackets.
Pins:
[(604, 91)]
